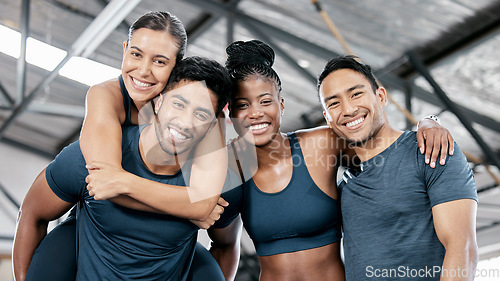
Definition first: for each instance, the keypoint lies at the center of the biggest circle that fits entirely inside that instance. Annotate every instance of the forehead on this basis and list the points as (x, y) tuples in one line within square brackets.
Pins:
[(255, 86), (148, 39), (340, 81), (195, 93)]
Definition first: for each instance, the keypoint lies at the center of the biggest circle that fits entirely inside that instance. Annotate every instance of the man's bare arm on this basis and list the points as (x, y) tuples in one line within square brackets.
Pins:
[(455, 224), (39, 207), (225, 247)]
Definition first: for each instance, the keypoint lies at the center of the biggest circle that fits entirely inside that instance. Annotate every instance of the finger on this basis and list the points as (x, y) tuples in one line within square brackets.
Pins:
[(219, 209), (222, 202), (429, 140), (444, 150), (95, 165), (421, 141), (87, 179), (452, 144), (436, 145)]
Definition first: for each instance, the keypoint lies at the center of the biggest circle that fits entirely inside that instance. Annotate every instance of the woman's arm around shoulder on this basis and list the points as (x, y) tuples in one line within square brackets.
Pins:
[(101, 135)]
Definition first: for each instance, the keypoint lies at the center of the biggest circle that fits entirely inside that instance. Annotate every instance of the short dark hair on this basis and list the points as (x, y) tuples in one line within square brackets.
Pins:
[(210, 71), (162, 21), (347, 62)]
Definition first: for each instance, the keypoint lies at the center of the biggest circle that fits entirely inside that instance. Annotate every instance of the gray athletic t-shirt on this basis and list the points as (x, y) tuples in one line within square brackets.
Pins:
[(387, 212)]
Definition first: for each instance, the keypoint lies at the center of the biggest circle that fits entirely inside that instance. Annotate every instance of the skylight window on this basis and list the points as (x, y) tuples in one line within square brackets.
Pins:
[(47, 57)]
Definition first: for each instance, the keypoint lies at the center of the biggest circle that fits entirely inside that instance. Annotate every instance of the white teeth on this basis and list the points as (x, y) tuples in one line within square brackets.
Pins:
[(259, 126), (355, 122), (141, 84), (177, 135)]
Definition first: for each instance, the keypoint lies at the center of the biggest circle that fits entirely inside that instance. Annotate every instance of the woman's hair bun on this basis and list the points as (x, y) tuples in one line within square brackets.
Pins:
[(254, 52)]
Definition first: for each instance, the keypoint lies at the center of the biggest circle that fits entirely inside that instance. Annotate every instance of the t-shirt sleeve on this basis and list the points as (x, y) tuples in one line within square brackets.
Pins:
[(66, 174), (452, 181)]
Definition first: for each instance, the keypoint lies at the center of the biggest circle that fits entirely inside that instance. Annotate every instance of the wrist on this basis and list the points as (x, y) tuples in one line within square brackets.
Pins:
[(429, 117), (127, 183)]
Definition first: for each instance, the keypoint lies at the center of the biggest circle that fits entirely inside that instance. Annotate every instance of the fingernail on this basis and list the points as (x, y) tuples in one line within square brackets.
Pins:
[(427, 161), (451, 152), (442, 161), (433, 164), (421, 150)]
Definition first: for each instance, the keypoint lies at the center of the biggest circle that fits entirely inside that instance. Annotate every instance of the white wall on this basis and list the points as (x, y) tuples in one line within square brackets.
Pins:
[(18, 169)]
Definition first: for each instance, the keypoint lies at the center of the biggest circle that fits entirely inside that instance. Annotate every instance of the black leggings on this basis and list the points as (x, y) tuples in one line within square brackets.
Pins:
[(55, 257)]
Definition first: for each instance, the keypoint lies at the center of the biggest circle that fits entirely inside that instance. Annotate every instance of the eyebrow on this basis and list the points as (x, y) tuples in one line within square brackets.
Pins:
[(207, 111), (139, 49), (259, 96), (348, 91)]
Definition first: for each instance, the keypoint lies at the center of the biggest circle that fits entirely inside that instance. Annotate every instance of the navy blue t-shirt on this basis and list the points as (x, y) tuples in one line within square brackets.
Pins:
[(118, 243), (387, 212)]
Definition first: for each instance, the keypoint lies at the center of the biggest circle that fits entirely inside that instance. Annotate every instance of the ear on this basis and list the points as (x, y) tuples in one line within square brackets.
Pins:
[(158, 103), (328, 118), (381, 94), (282, 105)]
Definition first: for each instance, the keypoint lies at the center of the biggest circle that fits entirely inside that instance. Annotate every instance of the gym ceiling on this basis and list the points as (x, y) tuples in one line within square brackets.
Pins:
[(435, 57)]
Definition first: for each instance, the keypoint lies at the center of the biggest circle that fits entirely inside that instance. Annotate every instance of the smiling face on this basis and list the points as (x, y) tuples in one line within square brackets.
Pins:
[(148, 60), (351, 107), (256, 109), (185, 115)]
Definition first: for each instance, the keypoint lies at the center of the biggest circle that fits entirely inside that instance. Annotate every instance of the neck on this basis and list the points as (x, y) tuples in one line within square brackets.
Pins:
[(378, 143), (274, 151), (154, 158)]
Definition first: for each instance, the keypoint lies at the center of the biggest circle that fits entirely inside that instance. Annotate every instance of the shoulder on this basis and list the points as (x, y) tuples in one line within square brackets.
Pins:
[(319, 139), (69, 163), (105, 100), (106, 91)]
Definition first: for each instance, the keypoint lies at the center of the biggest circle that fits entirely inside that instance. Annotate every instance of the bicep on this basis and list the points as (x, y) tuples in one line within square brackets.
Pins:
[(101, 134), (455, 220)]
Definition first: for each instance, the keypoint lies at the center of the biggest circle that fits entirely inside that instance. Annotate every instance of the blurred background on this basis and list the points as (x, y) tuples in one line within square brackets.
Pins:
[(434, 56)]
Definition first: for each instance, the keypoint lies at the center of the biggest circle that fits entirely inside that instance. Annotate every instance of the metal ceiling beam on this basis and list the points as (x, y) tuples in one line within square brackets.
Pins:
[(21, 61), (19, 109), (420, 67), (207, 20), (70, 139), (29, 148), (5, 96), (54, 109), (199, 26), (384, 76), (394, 81), (222, 9), (90, 39), (9, 196), (486, 227), (486, 27)]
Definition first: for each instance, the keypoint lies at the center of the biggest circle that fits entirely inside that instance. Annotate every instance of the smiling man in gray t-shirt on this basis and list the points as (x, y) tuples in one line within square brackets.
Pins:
[(402, 219)]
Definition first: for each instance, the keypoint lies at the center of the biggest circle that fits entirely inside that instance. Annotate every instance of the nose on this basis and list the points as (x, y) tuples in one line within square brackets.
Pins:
[(185, 119), (349, 108), (255, 112), (144, 68)]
